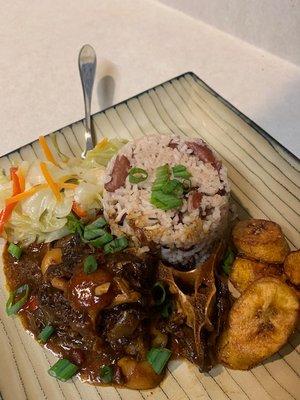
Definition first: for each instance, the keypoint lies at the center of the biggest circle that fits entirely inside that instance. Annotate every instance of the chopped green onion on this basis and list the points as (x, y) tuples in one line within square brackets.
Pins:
[(102, 240), (93, 233), (158, 293), (167, 309), (106, 373), (116, 245), (228, 261), (74, 224), (63, 370), (15, 250), (98, 223), (21, 294), (158, 357), (162, 176), (137, 175), (165, 201), (45, 333), (180, 171), (90, 265), (173, 187)]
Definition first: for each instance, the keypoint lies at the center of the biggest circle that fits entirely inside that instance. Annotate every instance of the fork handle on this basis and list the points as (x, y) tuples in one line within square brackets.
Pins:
[(87, 62)]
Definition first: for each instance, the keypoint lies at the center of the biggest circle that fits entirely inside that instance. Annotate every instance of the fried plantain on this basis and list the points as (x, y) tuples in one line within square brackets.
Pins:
[(244, 272), (259, 323), (292, 267), (260, 240)]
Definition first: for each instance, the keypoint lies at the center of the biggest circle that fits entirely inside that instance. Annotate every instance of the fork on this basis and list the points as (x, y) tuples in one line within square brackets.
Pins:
[(87, 62)]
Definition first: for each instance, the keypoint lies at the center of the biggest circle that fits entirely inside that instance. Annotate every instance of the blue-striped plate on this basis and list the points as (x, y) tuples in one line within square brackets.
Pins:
[(265, 184)]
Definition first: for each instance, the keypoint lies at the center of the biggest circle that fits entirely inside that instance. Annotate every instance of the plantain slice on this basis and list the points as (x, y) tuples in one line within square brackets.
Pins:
[(292, 267), (259, 323), (244, 272), (260, 240)]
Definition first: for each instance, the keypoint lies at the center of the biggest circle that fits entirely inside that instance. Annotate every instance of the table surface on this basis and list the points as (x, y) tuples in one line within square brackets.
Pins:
[(139, 43)]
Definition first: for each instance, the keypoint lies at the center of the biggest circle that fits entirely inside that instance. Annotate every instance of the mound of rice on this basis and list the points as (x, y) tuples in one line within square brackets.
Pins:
[(180, 233)]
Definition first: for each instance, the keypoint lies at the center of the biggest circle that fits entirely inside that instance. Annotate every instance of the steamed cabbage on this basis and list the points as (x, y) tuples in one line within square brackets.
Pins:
[(101, 155), (41, 217)]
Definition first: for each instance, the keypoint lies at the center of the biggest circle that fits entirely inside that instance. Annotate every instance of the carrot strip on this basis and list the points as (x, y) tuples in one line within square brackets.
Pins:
[(12, 171), (15, 180), (24, 195), (46, 150), (78, 210), (8, 209), (21, 180), (54, 186)]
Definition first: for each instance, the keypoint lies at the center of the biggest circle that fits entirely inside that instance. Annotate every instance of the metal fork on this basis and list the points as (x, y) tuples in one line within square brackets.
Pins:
[(87, 62)]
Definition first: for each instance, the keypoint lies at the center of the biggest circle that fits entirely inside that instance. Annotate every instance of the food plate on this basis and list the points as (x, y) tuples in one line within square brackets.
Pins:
[(265, 184)]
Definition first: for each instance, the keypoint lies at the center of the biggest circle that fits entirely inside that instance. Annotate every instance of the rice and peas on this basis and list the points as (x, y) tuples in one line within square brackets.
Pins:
[(135, 210)]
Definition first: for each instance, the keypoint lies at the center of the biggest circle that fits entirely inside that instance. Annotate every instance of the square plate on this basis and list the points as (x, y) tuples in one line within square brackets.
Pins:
[(265, 184)]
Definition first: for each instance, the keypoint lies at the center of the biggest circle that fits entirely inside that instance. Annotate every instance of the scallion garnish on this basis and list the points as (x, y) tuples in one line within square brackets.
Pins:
[(45, 333), (158, 357), (159, 293), (173, 187), (74, 224), (162, 176), (137, 175), (90, 265), (92, 233), (15, 250), (180, 171), (102, 240), (98, 223), (228, 261), (106, 373), (165, 201), (63, 370), (17, 299), (167, 193), (116, 245)]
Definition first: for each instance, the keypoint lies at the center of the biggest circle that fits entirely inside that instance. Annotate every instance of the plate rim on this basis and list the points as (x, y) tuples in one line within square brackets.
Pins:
[(212, 91)]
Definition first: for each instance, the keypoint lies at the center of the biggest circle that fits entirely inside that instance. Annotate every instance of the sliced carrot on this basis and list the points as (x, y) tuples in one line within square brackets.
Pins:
[(21, 180), (78, 210), (46, 150), (53, 185), (27, 193), (8, 209), (12, 171), (15, 180), (24, 195)]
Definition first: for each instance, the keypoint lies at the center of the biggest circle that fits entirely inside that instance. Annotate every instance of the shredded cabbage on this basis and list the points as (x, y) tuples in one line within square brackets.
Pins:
[(102, 154), (41, 217)]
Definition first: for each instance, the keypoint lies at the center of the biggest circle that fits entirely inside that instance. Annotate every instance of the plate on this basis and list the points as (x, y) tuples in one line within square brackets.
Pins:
[(265, 184)]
